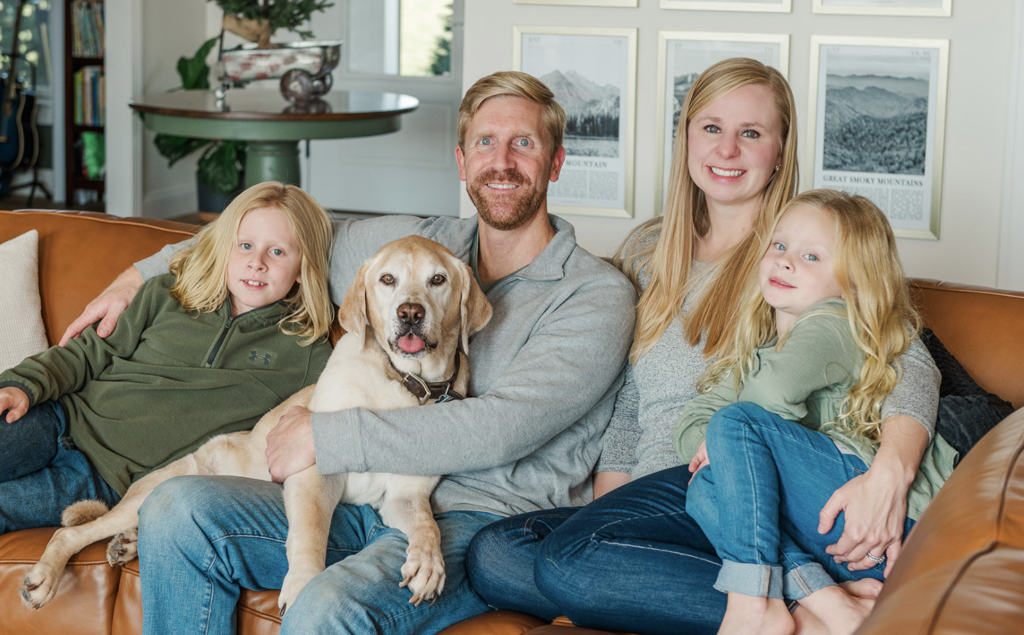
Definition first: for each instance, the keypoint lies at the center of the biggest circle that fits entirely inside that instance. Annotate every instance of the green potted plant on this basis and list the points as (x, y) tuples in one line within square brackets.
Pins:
[(219, 170)]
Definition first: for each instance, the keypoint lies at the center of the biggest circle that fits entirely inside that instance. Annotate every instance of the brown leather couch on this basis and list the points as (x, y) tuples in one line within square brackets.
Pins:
[(962, 570)]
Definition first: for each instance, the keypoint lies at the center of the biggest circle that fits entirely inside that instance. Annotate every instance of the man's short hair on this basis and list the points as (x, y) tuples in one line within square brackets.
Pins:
[(515, 84)]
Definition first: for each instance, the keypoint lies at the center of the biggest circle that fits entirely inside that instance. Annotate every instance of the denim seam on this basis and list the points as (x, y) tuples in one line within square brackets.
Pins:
[(669, 551), (392, 618), (256, 536)]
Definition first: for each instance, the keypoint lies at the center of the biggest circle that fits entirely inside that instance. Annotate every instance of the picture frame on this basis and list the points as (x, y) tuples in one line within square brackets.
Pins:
[(597, 178), (915, 8), (584, 3), (682, 56), (876, 125), (755, 6)]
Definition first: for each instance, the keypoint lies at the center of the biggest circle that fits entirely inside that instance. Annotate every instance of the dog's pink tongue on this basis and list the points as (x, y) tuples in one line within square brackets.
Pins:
[(410, 343)]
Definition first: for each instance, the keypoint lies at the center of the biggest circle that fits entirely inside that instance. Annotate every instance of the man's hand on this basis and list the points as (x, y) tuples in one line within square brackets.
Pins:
[(290, 444), (699, 460), (15, 402), (108, 306)]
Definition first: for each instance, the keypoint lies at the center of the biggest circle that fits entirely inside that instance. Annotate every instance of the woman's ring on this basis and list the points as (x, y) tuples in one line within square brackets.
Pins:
[(876, 559)]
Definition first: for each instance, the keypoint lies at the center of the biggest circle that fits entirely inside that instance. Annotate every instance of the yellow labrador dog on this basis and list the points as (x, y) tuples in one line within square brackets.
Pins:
[(422, 305)]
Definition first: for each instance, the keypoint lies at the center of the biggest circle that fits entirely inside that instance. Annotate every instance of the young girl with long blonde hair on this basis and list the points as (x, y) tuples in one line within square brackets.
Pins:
[(238, 325), (791, 411)]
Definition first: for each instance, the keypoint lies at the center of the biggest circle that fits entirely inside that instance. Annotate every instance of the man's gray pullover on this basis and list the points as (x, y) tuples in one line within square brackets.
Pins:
[(545, 372)]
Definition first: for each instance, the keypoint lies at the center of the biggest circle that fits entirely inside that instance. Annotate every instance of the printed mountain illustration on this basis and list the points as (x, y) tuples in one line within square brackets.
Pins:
[(876, 124), (592, 110)]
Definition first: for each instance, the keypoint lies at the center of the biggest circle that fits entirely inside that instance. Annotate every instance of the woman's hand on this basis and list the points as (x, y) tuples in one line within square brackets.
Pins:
[(107, 306), (15, 402), (700, 459), (875, 503)]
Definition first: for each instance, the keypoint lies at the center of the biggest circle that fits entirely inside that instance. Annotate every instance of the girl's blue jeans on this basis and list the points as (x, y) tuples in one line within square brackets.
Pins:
[(759, 501), (633, 559), (203, 538), (41, 471)]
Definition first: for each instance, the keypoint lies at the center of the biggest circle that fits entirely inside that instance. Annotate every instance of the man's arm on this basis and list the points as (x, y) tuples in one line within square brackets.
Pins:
[(569, 363), (108, 306)]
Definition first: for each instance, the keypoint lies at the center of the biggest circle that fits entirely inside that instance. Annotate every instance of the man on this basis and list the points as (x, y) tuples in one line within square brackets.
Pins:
[(545, 373)]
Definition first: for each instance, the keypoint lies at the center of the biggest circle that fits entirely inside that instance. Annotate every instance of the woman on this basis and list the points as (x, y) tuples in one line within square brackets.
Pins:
[(633, 559)]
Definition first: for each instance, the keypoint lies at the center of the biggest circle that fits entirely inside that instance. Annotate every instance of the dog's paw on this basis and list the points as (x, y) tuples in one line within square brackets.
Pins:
[(39, 586), (423, 573), (123, 548), (294, 582)]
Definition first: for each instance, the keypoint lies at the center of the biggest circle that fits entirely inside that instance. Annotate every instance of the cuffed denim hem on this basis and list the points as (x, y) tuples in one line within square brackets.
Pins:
[(805, 580), (757, 580)]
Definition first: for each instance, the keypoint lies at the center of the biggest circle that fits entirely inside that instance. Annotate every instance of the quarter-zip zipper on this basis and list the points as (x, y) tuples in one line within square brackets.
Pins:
[(220, 340)]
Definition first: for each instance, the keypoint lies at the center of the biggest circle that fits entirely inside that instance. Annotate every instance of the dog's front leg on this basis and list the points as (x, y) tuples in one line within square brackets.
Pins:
[(309, 503), (407, 507)]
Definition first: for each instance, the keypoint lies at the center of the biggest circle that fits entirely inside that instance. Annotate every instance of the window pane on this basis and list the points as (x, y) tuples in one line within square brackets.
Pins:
[(400, 37), (34, 62)]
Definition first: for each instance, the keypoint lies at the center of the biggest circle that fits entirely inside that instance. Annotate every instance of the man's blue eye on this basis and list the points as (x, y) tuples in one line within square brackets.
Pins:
[(485, 141), (523, 142)]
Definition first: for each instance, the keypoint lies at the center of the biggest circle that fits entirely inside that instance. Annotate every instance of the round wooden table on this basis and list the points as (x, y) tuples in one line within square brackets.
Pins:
[(270, 124)]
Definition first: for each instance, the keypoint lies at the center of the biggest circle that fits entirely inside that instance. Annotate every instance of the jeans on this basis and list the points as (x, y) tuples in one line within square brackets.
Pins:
[(631, 561), (759, 500), (202, 538), (41, 471)]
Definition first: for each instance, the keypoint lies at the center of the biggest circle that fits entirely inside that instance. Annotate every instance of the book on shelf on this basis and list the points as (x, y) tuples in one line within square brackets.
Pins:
[(90, 96), (87, 28)]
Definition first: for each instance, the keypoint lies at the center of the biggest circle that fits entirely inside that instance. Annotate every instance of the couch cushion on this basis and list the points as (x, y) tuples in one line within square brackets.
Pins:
[(84, 603), (80, 253), (982, 327), (962, 567), (21, 323)]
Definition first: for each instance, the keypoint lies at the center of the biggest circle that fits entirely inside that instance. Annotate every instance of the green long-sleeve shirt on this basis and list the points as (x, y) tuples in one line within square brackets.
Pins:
[(166, 380), (807, 382)]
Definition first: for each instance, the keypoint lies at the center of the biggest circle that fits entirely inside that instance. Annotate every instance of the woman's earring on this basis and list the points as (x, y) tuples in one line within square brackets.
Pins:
[(777, 167)]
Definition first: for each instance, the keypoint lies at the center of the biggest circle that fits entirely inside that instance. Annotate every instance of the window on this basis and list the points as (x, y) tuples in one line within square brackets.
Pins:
[(33, 41)]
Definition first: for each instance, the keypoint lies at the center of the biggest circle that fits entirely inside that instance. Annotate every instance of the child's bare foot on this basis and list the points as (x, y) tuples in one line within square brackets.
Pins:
[(866, 588), (807, 623), (840, 611), (746, 615)]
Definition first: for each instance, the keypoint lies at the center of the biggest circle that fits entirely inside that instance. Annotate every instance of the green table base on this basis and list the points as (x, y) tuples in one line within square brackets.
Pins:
[(272, 161)]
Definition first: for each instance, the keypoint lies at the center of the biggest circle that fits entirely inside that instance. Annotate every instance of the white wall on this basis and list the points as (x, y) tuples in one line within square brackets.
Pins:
[(981, 47)]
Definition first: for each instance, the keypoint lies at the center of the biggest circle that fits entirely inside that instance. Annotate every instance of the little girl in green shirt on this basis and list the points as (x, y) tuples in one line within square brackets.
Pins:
[(790, 412)]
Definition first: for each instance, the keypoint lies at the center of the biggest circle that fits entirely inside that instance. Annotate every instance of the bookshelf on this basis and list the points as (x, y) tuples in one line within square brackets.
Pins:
[(84, 104)]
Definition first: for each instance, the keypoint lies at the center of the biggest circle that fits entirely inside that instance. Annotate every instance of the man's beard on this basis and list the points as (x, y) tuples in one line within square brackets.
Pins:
[(524, 206)]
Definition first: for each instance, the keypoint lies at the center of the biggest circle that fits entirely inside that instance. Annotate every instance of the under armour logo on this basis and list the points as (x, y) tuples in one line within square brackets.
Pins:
[(255, 357)]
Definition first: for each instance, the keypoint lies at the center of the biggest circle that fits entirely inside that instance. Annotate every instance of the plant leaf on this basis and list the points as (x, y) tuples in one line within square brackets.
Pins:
[(194, 71), (220, 168), (175, 148)]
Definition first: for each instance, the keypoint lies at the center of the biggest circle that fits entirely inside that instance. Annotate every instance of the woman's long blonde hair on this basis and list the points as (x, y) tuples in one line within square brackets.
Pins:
[(201, 268), (686, 219), (881, 317)]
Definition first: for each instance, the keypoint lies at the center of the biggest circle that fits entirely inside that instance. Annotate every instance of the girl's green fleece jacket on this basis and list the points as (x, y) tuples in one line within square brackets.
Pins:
[(166, 380), (807, 381)]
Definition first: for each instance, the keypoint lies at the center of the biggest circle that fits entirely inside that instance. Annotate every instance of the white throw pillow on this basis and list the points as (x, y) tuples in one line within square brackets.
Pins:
[(21, 322)]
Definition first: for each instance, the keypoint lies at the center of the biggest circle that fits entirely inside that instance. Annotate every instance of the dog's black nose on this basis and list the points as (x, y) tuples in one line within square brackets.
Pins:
[(410, 313)]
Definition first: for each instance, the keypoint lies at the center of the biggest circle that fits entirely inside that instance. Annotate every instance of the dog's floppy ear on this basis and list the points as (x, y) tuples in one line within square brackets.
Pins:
[(475, 309), (352, 312)]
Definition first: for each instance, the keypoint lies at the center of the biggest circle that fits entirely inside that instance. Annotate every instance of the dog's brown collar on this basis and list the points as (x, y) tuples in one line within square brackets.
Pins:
[(440, 391)]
